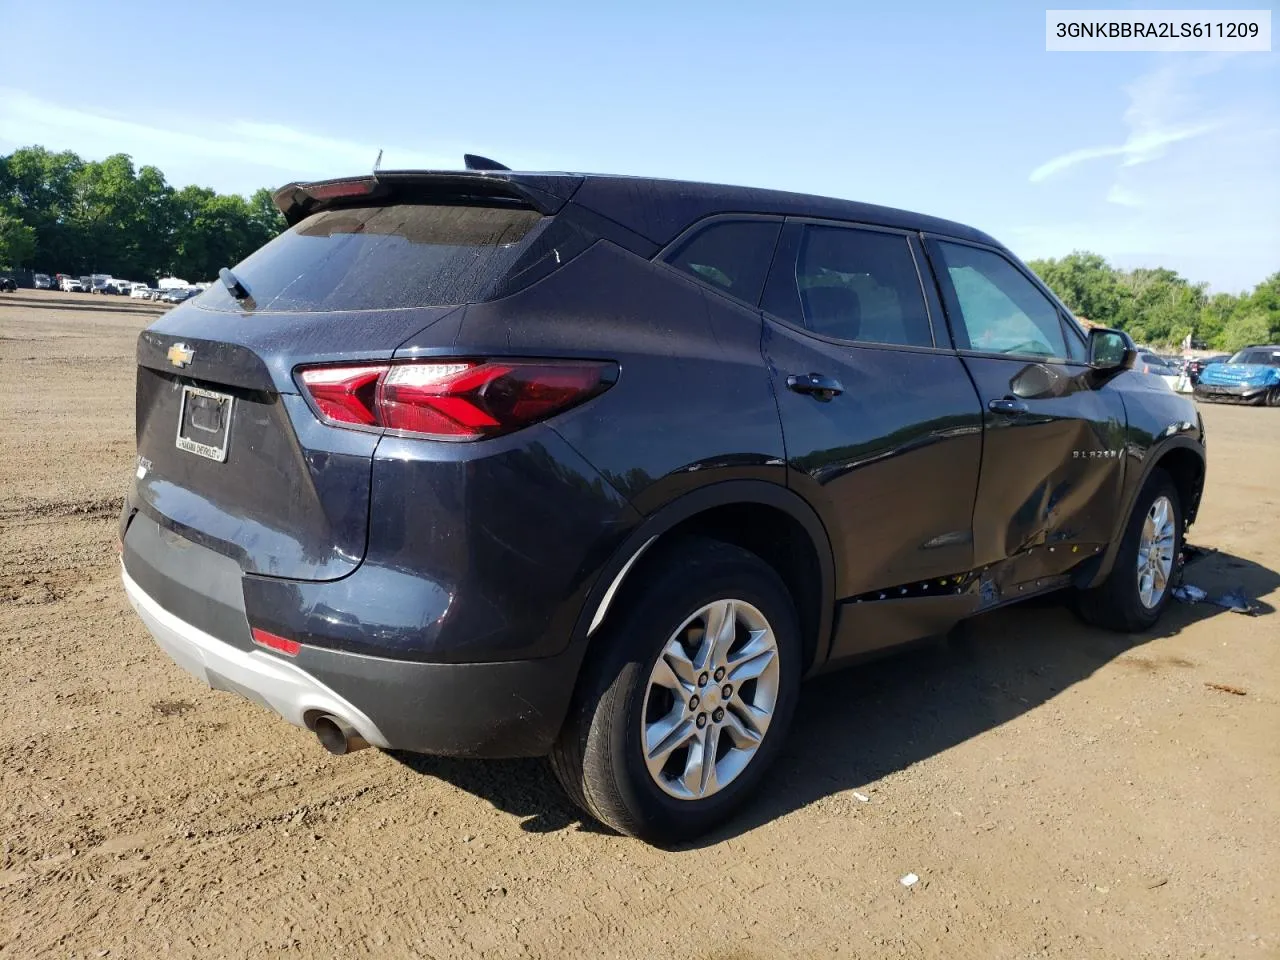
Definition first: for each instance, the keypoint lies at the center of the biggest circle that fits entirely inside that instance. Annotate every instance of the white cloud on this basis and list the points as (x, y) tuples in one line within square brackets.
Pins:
[(1210, 208), (229, 155), (1141, 147), (1123, 196), (1157, 117)]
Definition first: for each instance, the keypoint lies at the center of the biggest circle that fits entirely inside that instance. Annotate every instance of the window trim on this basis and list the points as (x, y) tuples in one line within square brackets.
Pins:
[(946, 291), (912, 239), (663, 256)]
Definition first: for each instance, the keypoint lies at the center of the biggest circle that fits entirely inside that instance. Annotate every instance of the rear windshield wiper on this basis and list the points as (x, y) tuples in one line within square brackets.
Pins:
[(236, 288)]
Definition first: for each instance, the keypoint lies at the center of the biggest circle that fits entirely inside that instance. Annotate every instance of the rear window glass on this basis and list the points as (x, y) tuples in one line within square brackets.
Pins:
[(732, 256), (1266, 357), (385, 257)]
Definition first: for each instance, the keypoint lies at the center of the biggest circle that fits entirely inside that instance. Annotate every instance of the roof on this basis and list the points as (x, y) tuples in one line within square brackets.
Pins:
[(661, 209), (656, 209)]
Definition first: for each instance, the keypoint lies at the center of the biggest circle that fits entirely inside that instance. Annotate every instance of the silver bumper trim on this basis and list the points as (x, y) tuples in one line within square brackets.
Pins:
[(266, 679)]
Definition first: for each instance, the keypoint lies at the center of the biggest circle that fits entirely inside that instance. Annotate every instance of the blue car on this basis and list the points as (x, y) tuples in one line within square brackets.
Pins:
[(1251, 376)]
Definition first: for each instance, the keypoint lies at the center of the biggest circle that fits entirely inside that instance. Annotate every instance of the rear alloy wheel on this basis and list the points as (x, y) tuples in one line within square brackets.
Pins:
[(1139, 585), (1273, 397), (710, 698), (686, 696)]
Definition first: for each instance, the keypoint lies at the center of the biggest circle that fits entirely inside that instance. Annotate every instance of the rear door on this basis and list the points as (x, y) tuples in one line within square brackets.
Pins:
[(882, 424), (1053, 449)]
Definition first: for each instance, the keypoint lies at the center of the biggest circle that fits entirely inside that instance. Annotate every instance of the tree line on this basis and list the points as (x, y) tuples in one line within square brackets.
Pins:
[(1159, 307), (62, 214)]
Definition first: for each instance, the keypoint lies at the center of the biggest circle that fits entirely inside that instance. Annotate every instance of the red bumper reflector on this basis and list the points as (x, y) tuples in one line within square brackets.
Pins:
[(279, 644)]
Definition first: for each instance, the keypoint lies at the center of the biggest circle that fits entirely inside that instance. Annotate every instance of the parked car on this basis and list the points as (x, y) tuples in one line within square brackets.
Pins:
[(72, 285), (1251, 376), (1196, 365), (1158, 366), (610, 464), (178, 294), (140, 291), (42, 281), (8, 285)]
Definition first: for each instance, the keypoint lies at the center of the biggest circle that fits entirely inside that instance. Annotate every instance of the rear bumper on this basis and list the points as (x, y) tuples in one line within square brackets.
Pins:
[(267, 680), (510, 708)]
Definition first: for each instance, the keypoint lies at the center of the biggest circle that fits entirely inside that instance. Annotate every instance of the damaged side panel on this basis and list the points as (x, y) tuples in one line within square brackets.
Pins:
[(1052, 472)]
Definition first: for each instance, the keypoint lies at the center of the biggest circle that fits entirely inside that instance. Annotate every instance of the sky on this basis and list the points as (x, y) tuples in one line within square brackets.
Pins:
[(1151, 159)]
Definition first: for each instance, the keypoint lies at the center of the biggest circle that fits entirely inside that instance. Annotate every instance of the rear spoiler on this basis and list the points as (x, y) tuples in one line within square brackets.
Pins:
[(543, 192)]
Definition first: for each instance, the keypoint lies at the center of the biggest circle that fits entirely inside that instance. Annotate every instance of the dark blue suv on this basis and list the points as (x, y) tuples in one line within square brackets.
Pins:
[(497, 464)]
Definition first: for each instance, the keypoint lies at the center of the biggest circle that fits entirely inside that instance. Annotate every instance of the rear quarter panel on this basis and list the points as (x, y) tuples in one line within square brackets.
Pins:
[(693, 404)]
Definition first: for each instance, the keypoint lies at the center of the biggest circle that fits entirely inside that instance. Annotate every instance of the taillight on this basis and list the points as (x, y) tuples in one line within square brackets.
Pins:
[(454, 399), (344, 394), (341, 188)]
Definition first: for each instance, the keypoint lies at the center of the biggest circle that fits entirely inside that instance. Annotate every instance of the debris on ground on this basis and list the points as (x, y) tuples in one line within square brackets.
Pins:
[(861, 797), (1190, 552), (1238, 601), (1234, 599), (910, 880), (1225, 688), (1189, 593)]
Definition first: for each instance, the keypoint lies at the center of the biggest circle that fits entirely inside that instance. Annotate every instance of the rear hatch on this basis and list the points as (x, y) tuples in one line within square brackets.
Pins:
[(229, 453)]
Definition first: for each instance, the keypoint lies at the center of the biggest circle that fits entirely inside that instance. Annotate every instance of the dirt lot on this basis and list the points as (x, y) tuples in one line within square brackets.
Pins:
[(1059, 791)]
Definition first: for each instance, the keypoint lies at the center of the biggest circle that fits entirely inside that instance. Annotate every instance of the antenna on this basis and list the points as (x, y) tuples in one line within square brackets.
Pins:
[(476, 162), (377, 163)]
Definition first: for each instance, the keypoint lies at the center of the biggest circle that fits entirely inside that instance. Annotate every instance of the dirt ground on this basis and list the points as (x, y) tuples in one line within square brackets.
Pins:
[(1058, 790)]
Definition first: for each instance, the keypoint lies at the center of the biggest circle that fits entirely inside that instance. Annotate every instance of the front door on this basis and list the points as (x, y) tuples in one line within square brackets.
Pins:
[(1052, 460)]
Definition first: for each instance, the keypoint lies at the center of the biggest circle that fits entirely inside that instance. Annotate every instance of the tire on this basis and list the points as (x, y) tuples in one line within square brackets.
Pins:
[(1117, 603), (1273, 397), (599, 757)]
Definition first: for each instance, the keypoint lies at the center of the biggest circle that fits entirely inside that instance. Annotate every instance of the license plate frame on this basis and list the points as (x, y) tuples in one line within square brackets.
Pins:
[(216, 451)]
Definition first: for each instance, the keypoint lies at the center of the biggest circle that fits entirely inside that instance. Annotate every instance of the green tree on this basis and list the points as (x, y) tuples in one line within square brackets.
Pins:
[(1265, 301), (109, 217), (17, 241), (1244, 329), (38, 186), (1085, 282), (267, 220), (1214, 316)]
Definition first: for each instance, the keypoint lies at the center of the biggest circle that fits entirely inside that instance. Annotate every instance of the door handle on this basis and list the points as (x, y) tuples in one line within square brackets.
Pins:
[(1007, 405), (815, 385)]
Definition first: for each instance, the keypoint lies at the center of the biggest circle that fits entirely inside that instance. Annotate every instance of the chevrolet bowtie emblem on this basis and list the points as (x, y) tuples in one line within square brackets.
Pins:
[(180, 354)]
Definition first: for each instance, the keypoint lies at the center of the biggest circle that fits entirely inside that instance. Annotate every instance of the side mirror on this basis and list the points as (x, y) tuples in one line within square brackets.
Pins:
[(1110, 350)]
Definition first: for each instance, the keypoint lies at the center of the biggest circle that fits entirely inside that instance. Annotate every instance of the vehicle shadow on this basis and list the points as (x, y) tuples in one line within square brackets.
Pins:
[(858, 725)]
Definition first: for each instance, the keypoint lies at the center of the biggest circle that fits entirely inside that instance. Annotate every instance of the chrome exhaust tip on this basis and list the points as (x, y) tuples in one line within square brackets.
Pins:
[(337, 736)]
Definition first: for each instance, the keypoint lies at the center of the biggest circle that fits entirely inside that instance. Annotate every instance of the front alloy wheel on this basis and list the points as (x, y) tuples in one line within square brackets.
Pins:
[(1137, 588), (1155, 552)]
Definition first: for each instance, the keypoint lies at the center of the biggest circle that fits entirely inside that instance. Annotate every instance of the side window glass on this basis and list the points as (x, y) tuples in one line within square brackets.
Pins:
[(999, 309), (732, 256), (1077, 349), (861, 285)]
